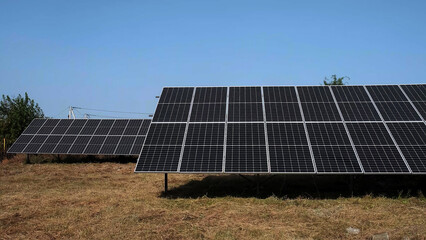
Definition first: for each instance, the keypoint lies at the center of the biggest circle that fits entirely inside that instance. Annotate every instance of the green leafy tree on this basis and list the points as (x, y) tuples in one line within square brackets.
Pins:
[(15, 115), (335, 80)]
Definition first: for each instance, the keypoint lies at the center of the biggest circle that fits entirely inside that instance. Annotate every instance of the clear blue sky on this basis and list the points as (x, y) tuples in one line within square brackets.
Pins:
[(118, 55)]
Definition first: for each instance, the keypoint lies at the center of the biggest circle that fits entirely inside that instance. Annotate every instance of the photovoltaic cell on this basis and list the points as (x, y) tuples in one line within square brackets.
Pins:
[(369, 134), (77, 126), (245, 94), (286, 134), (79, 145), (176, 95), (171, 113), (415, 92), (246, 134), (35, 144), (104, 127), (210, 112), (48, 126), (118, 127), (318, 94), (34, 126), (361, 111), (350, 94), (144, 128), (415, 156), (397, 111), (320, 112), (202, 159), (166, 134), (386, 93), (125, 145), (381, 159), (62, 126), (159, 158), (245, 112), (137, 146), (421, 107), (282, 112), (50, 144), (279, 94), (210, 95), (292, 159), (409, 133), (246, 159), (327, 134), (338, 159), (205, 134), (89, 128), (64, 144)]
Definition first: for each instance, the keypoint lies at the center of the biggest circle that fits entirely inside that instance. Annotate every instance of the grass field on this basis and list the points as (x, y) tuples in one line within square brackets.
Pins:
[(108, 201)]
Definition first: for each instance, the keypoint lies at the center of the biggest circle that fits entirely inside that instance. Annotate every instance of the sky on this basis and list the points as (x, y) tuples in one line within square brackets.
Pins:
[(118, 55)]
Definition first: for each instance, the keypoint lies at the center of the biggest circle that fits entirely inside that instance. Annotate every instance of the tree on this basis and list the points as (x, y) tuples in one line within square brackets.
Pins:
[(335, 80), (16, 114)]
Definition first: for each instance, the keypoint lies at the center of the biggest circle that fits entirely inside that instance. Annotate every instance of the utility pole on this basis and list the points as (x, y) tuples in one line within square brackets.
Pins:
[(71, 113)]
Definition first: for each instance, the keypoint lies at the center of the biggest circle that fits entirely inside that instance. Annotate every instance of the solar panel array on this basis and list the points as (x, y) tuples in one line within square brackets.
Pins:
[(307, 129), (83, 136)]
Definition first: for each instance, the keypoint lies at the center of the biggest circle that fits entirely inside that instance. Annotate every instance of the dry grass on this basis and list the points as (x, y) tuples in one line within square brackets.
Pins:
[(109, 201)]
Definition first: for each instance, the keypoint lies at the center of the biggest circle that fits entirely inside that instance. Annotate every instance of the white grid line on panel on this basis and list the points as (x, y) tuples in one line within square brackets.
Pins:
[(102, 145), (306, 131), (268, 160), (226, 131), (33, 134), (128, 121), (346, 129), (186, 130), (143, 144), (49, 135), (75, 138), (411, 102), (387, 129), (93, 134)]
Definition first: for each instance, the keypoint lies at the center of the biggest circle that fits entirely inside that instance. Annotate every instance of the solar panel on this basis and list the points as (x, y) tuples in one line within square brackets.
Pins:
[(266, 129), (82, 136), (278, 129)]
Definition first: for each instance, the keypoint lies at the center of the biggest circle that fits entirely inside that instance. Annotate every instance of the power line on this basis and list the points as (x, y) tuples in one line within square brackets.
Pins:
[(94, 115), (102, 110)]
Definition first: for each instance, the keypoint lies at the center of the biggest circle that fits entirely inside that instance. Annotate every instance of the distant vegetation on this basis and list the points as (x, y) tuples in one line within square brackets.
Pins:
[(15, 115), (334, 80)]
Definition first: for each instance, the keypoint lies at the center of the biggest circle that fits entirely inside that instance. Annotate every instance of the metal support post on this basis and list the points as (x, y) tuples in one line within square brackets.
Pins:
[(165, 183)]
